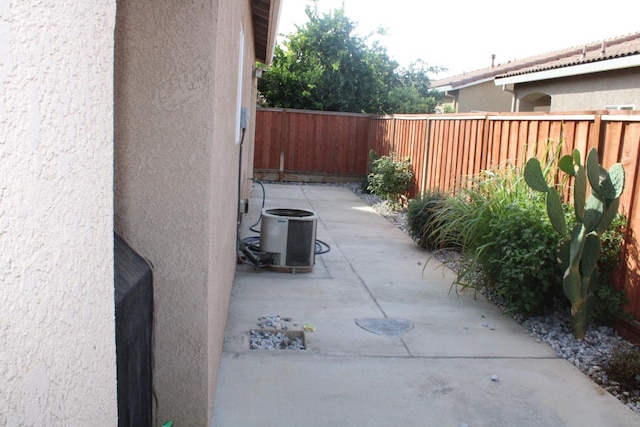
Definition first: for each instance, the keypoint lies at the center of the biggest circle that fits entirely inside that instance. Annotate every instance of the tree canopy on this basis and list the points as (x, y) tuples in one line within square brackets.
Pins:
[(325, 65)]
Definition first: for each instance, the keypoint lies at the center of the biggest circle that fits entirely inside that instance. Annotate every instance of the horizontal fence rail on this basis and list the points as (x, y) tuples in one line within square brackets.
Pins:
[(447, 150)]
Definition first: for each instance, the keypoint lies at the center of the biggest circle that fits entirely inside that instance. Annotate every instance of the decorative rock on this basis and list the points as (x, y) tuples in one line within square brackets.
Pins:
[(275, 322), (261, 340), (495, 378)]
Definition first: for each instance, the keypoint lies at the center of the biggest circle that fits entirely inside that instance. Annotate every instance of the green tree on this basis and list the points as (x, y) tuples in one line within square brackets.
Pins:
[(324, 65), (413, 93)]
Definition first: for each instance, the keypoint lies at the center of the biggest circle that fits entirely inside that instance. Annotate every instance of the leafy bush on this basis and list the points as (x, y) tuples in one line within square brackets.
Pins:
[(624, 367), (611, 245), (364, 184), (605, 301), (501, 226), (519, 258), (390, 178), (515, 242), (421, 222)]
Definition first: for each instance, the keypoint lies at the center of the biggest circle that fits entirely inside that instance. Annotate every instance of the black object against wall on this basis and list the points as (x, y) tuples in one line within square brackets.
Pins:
[(134, 327)]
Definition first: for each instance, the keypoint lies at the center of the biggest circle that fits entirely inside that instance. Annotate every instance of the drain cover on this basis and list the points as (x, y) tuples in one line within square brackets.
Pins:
[(391, 327)]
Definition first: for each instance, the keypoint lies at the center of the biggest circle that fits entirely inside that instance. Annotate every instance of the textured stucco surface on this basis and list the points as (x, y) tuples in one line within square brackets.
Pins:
[(589, 92), (484, 97), (176, 174), (57, 347)]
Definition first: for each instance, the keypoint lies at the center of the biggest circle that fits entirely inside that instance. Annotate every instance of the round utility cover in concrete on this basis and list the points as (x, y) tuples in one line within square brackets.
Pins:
[(391, 327)]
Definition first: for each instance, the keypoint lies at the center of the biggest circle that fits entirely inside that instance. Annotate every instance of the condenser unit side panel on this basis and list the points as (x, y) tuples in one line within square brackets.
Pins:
[(274, 234), (301, 243)]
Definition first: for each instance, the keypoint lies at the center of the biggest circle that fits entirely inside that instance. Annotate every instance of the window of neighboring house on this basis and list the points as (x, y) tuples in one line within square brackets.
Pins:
[(240, 81), (620, 107)]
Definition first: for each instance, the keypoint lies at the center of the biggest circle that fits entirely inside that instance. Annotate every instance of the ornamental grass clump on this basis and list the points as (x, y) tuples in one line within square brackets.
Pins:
[(421, 223), (495, 222), (511, 246)]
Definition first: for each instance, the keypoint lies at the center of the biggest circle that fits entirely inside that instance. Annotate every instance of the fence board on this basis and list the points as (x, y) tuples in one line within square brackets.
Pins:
[(626, 136)]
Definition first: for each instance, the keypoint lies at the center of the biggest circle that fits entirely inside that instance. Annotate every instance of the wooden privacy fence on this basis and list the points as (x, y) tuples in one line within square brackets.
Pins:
[(446, 150), (294, 145)]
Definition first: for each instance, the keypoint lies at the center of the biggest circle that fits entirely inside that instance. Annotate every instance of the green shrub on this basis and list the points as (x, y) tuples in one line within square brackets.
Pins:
[(519, 258), (390, 178), (364, 184), (422, 224), (624, 367), (605, 301), (515, 246), (611, 242), (501, 226), (469, 220)]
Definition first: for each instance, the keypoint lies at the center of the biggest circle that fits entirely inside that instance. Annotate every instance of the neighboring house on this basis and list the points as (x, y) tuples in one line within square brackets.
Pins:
[(121, 115), (596, 76)]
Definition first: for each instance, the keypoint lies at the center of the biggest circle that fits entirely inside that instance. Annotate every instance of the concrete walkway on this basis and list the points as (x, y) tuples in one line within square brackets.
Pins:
[(437, 374)]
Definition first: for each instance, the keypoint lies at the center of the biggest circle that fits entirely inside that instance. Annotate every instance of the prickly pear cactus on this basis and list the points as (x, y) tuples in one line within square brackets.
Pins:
[(578, 250)]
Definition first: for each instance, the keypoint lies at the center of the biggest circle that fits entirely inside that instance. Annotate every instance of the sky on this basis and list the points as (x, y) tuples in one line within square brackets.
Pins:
[(462, 35)]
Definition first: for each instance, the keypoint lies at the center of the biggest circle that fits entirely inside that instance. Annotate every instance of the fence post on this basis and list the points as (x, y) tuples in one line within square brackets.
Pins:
[(283, 137), (596, 134), (392, 137), (425, 156), (485, 157)]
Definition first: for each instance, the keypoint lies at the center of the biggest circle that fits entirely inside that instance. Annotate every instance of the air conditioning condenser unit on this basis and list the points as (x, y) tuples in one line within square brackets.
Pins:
[(290, 236)]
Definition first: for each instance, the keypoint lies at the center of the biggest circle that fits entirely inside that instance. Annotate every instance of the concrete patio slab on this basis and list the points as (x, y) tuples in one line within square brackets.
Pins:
[(437, 374)]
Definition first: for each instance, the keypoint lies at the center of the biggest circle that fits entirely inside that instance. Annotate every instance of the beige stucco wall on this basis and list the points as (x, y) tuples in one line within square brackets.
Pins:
[(57, 327), (176, 174), (588, 92), (484, 97)]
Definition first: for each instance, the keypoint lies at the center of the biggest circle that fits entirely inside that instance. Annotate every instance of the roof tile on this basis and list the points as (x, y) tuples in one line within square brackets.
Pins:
[(591, 52)]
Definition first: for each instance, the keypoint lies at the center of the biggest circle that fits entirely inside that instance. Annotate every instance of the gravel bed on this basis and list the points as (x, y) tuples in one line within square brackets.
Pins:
[(273, 335), (272, 340)]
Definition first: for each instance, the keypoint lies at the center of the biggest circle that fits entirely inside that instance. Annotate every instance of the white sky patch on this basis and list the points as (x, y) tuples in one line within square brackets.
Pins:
[(462, 35)]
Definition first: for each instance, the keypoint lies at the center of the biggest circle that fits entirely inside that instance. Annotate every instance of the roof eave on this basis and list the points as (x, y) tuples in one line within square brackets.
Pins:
[(571, 70), (266, 14), (273, 29), (452, 86)]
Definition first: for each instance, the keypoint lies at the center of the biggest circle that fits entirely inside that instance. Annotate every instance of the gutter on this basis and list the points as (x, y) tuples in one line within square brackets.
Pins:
[(515, 102)]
